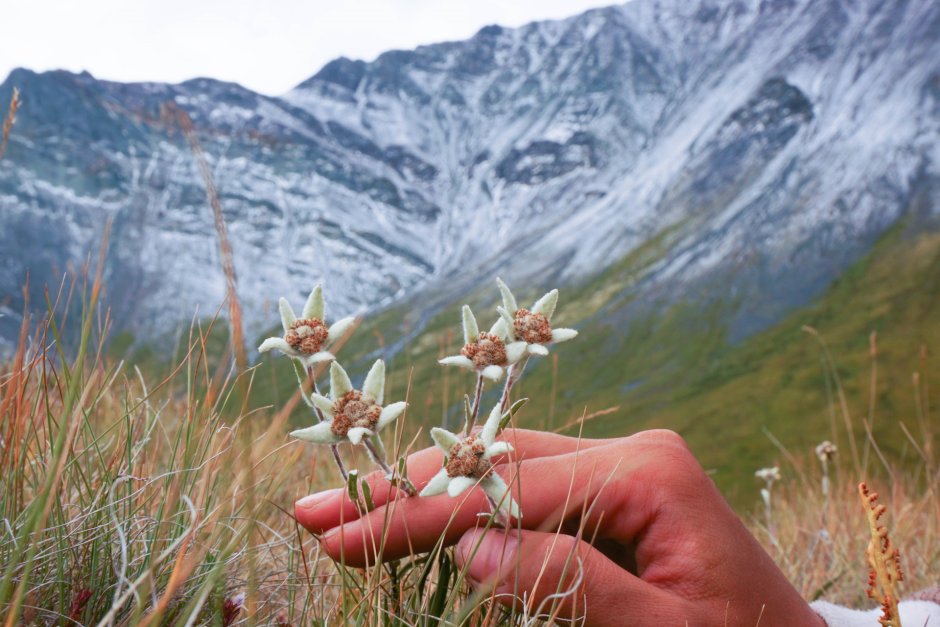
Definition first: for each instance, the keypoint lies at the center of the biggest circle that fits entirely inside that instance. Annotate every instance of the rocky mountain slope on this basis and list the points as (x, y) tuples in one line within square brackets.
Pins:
[(758, 146)]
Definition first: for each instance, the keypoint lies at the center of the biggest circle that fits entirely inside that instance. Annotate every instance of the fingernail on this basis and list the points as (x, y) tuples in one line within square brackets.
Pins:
[(310, 503), (485, 552)]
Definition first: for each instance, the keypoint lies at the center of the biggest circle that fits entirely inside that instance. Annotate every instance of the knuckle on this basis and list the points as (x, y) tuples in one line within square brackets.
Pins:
[(664, 437), (667, 444), (669, 463)]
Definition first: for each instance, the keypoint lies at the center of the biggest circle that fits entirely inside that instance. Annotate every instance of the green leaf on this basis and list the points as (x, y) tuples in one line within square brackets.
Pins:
[(367, 496), (513, 410), (436, 607)]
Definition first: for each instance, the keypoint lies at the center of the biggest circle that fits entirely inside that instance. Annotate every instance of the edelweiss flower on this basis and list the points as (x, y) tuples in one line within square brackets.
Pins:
[(351, 414), (532, 326), (768, 475), (485, 353), (305, 337), (468, 464), (826, 451)]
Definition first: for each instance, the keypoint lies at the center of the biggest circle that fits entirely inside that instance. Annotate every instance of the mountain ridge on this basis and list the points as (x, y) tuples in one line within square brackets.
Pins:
[(773, 141)]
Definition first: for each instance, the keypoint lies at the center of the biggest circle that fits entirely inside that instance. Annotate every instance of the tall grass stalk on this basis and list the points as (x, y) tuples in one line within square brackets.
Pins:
[(8, 120)]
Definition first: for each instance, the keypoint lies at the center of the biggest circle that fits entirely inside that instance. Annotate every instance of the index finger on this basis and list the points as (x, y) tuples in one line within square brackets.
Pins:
[(325, 510)]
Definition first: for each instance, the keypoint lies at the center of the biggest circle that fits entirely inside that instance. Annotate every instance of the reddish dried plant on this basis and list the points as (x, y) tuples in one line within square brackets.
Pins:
[(8, 121), (884, 560), (78, 603), (231, 608)]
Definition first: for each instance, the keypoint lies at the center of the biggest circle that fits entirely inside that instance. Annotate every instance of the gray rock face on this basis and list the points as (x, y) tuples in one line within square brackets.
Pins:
[(774, 142)]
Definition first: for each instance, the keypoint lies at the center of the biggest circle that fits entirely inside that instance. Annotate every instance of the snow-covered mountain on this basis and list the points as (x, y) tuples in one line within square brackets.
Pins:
[(760, 146)]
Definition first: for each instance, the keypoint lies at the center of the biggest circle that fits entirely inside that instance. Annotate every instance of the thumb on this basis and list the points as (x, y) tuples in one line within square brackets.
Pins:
[(558, 576)]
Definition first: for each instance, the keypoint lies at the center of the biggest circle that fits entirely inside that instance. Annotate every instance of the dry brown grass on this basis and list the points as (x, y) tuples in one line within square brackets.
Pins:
[(820, 542), (9, 120)]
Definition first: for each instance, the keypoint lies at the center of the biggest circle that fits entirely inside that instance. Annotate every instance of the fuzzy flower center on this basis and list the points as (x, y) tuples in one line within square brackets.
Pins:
[(307, 335), (467, 459), (352, 410), (487, 350), (532, 327)]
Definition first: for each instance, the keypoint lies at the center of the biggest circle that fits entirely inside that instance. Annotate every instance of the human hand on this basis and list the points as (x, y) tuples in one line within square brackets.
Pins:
[(666, 548)]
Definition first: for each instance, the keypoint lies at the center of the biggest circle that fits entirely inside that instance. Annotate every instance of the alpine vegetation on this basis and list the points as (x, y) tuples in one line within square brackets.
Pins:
[(357, 416), (485, 353), (769, 476), (826, 452), (305, 337), (469, 464)]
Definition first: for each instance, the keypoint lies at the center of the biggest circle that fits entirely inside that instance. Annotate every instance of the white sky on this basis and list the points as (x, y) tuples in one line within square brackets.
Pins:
[(268, 46)]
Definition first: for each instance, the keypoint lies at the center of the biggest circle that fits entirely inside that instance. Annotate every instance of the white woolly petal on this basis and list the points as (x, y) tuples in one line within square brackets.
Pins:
[(323, 404), (499, 328), (497, 490), (320, 433), (515, 351), (537, 349), (563, 335), (287, 313), (471, 332), (493, 373), (391, 413), (444, 438), (506, 317), (340, 385), (546, 304), (457, 360), (374, 386), (437, 484), (314, 305), (498, 448), (339, 328), (277, 343), (320, 357), (509, 301), (459, 485), (488, 434), (356, 434)]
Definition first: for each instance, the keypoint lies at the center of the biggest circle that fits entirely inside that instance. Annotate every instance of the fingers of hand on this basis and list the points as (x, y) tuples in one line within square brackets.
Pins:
[(325, 510), (404, 527), (614, 490), (562, 577), (579, 489)]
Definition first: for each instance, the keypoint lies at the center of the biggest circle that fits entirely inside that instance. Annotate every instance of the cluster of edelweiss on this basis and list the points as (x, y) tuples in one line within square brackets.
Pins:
[(358, 415)]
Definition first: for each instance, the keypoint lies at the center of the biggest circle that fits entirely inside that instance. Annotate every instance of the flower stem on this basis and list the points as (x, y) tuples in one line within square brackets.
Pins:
[(334, 449), (499, 517), (515, 371), (403, 482), (475, 410)]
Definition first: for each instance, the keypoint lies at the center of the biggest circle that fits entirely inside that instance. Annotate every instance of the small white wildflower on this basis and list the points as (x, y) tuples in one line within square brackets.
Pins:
[(469, 464), (532, 326), (486, 354), (350, 414), (826, 451), (768, 475), (305, 337)]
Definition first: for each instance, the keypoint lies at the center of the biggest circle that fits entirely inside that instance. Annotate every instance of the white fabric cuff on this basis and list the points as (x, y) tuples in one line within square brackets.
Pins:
[(912, 613)]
